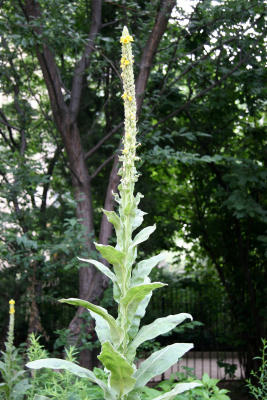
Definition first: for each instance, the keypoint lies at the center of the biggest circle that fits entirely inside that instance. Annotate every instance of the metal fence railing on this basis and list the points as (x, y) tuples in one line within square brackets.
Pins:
[(201, 362)]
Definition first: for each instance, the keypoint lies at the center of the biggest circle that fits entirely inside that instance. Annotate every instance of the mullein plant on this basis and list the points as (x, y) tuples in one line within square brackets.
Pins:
[(14, 384), (132, 288)]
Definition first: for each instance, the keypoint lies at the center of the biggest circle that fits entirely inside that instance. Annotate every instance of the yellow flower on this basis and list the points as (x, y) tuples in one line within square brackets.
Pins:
[(124, 96), (130, 98), (124, 62), (11, 301), (11, 306), (126, 39)]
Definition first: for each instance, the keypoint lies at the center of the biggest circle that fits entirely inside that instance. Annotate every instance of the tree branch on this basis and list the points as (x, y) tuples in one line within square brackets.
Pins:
[(202, 92), (102, 166), (101, 141), (31, 10), (85, 60), (150, 49)]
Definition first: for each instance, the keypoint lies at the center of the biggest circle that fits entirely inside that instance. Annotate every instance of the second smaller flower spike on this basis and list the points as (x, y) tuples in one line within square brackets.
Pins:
[(11, 306)]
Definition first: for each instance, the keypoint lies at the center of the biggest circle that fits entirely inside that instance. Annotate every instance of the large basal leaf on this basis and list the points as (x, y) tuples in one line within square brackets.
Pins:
[(101, 267), (156, 328), (143, 235), (121, 371), (115, 330), (135, 295), (179, 388), (143, 269), (159, 362), (57, 363)]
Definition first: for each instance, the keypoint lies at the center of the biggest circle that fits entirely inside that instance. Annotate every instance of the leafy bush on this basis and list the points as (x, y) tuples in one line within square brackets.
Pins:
[(14, 384), (258, 389), (62, 385), (207, 390)]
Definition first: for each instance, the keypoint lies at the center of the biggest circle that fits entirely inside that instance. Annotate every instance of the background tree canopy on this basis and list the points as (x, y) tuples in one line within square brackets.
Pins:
[(200, 88)]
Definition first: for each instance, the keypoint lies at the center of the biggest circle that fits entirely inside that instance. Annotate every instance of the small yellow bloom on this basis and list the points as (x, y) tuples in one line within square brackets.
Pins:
[(130, 98), (11, 301), (11, 306), (124, 62), (124, 96), (126, 39)]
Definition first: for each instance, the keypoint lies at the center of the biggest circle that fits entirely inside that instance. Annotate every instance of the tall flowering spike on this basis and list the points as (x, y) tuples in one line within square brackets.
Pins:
[(128, 170)]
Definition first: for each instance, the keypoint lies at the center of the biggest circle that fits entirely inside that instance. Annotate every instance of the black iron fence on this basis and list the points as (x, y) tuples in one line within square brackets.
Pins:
[(207, 305)]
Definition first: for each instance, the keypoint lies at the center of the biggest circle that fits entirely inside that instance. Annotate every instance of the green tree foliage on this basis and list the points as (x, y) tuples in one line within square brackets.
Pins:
[(201, 81), (211, 161)]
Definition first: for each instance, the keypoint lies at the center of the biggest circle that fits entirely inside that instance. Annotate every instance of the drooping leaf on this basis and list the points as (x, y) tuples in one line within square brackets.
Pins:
[(115, 330), (159, 362), (179, 388), (121, 371), (101, 267), (57, 363), (144, 268), (156, 328), (135, 295), (143, 235)]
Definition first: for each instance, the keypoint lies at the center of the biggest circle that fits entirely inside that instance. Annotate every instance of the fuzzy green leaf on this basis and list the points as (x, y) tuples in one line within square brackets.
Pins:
[(140, 312), (20, 389), (156, 328), (113, 218), (3, 387), (144, 268), (179, 388), (143, 235), (135, 295), (138, 219), (121, 371), (101, 267), (159, 362), (102, 328), (112, 255), (115, 330)]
